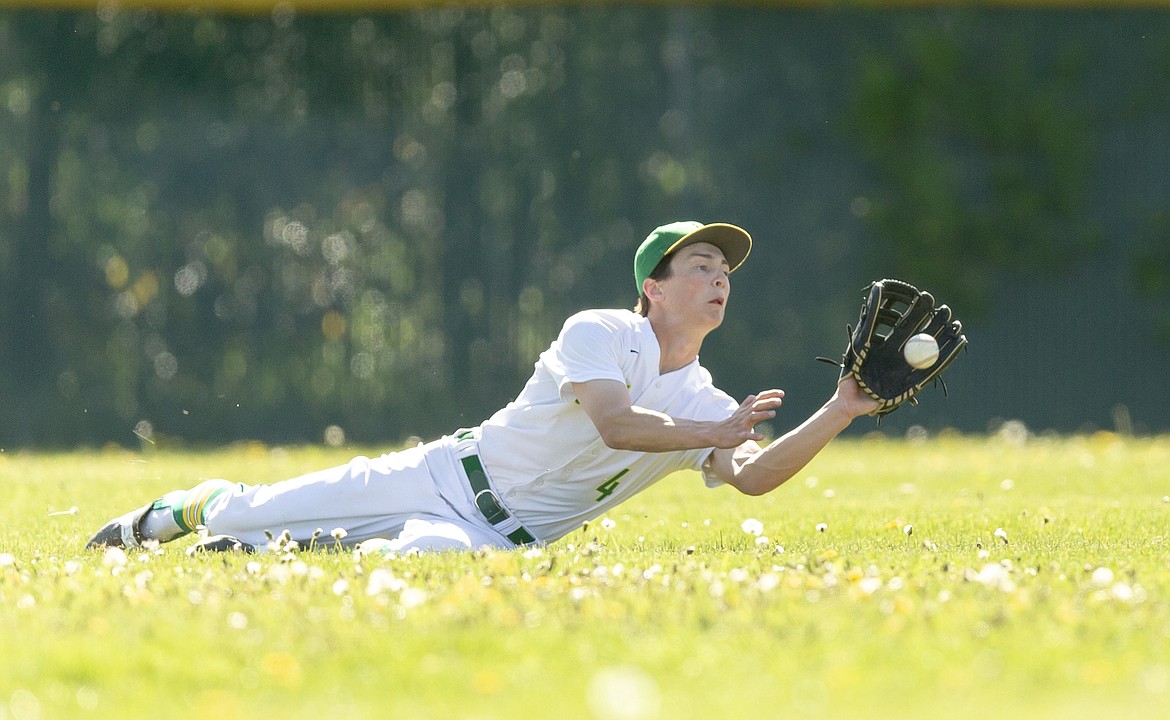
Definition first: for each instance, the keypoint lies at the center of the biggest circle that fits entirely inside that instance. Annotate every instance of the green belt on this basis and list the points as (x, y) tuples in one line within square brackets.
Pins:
[(486, 501)]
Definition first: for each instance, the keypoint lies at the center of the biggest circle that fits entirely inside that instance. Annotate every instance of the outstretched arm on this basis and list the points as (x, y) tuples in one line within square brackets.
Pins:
[(754, 471), (624, 426)]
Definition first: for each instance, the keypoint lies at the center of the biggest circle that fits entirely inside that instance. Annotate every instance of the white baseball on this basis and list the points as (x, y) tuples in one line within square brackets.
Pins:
[(921, 351)]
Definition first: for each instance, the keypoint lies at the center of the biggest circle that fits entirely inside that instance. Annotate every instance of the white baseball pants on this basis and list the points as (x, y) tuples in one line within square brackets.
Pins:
[(418, 498)]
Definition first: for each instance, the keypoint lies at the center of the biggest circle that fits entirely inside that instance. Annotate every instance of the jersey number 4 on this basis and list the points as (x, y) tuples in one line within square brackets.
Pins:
[(606, 488)]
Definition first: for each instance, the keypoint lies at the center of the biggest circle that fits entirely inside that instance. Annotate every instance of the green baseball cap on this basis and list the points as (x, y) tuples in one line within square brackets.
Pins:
[(733, 241)]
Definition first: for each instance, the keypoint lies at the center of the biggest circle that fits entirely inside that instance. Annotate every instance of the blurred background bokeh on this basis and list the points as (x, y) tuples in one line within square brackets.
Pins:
[(268, 221)]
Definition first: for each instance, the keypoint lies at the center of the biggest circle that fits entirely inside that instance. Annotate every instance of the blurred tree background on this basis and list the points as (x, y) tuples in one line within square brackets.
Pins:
[(219, 226)]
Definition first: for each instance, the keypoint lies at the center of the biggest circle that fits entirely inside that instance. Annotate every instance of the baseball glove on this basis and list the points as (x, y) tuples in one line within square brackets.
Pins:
[(892, 312)]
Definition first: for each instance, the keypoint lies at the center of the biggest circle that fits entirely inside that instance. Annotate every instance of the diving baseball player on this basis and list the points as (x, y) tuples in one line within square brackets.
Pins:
[(616, 403)]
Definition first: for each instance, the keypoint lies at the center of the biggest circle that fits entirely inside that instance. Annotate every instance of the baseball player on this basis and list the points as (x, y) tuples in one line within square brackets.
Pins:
[(616, 403)]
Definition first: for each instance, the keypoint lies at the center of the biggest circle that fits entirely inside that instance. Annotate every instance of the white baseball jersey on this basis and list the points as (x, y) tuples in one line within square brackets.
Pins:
[(545, 456)]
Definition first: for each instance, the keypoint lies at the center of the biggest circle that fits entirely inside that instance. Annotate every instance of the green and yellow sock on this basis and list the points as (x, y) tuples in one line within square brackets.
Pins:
[(181, 511)]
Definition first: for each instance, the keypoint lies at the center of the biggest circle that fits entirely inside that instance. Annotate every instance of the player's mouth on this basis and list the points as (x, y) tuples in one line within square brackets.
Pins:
[(719, 301)]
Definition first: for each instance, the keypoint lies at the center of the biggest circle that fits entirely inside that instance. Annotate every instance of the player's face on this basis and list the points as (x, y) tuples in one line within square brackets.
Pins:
[(699, 282)]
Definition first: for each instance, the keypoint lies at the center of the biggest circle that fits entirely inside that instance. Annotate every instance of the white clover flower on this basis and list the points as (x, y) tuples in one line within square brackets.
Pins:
[(412, 597), (114, 557), (1122, 592), (768, 582), (995, 575), (338, 533), (869, 585), (623, 692), (382, 580), (578, 594), (1002, 535), (821, 527), (763, 540), (1102, 577), (908, 529), (7, 559), (341, 587), (608, 524), (751, 526)]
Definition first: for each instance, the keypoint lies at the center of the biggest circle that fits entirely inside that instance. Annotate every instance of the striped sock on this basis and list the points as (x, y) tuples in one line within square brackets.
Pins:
[(180, 512), (188, 513)]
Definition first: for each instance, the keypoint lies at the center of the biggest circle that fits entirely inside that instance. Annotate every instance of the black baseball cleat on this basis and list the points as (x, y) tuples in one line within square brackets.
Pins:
[(123, 532), (221, 543)]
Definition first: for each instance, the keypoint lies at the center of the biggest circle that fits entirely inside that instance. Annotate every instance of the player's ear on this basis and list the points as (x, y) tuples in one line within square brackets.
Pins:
[(651, 289)]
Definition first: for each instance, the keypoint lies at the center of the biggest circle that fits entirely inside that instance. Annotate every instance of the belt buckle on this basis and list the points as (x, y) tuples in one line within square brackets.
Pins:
[(494, 512)]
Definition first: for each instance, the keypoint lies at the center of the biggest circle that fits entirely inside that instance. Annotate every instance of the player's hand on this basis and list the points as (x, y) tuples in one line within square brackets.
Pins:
[(852, 399), (741, 426)]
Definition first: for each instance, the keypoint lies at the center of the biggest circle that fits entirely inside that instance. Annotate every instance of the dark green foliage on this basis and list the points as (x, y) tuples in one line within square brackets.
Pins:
[(224, 227)]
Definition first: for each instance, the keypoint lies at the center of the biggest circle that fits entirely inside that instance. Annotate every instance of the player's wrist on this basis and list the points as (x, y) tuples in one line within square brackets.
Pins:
[(844, 409)]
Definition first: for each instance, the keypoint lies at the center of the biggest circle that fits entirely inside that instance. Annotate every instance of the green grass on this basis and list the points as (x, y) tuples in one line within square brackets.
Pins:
[(907, 604)]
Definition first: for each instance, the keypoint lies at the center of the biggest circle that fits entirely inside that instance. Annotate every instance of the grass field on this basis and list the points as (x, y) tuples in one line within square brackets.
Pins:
[(950, 578)]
